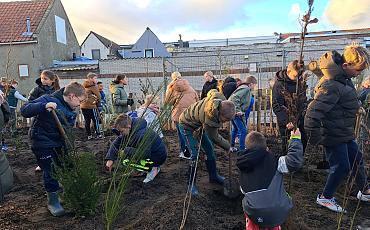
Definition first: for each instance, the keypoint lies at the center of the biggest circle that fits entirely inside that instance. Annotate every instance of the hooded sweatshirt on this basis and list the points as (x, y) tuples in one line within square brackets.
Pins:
[(207, 87), (331, 116)]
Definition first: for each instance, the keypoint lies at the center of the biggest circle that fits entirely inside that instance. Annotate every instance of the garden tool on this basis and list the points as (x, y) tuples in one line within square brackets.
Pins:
[(61, 129), (142, 166)]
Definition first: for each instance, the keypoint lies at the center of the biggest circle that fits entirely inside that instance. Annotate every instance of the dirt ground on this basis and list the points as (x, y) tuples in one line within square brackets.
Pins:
[(159, 205)]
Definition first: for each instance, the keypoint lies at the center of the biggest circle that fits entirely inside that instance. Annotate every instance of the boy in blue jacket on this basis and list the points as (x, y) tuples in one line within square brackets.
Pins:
[(46, 141), (266, 203), (132, 131)]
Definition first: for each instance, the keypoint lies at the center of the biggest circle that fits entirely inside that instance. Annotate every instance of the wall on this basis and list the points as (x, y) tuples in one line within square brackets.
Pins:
[(92, 42)]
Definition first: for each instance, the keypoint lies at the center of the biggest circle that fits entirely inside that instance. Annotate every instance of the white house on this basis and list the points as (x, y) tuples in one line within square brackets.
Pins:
[(97, 47)]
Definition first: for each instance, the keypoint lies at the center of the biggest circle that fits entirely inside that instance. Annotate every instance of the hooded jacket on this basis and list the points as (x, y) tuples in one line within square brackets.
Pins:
[(155, 150), (44, 133), (93, 95), (331, 116), (241, 98), (206, 113), (285, 87), (119, 98), (207, 87), (261, 181), (180, 95), (40, 90)]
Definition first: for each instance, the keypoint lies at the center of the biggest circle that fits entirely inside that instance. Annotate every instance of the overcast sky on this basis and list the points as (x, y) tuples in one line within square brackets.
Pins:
[(123, 21)]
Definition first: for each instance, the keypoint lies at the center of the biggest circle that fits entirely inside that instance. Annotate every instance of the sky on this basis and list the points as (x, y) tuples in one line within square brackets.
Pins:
[(124, 21)]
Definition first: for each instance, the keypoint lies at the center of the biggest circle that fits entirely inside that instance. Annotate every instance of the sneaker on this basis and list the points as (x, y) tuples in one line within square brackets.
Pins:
[(182, 155), (38, 169), (330, 204), (363, 197), (152, 174), (89, 137), (4, 147), (100, 136)]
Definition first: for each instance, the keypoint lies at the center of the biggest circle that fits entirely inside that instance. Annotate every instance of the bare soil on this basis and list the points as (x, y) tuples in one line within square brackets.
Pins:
[(159, 204)]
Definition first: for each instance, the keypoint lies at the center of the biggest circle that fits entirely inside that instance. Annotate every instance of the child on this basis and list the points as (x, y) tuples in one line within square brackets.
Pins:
[(241, 98), (103, 101), (119, 95), (48, 83), (150, 111), (330, 120), (206, 116), (12, 98), (133, 130), (46, 140), (266, 203), (90, 106)]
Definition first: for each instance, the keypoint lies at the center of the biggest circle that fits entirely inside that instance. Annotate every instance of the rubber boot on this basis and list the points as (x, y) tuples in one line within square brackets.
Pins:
[(213, 175), (191, 175), (54, 205)]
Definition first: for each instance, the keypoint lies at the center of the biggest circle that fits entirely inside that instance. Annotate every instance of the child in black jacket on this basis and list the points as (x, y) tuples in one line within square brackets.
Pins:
[(266, 203)]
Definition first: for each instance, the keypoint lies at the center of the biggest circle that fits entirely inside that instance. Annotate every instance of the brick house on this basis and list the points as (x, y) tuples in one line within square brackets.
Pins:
[(32, 35)]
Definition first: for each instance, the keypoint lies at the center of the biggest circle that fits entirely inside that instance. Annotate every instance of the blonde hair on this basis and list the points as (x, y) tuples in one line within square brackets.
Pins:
[(91, 75), (149, 99), (366, 82), (175, 75), (357, 56), (209, 73), (255, 140)]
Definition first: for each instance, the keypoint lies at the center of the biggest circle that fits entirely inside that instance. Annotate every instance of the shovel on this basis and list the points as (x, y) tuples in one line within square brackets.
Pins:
[(231, 185), (60, 127)]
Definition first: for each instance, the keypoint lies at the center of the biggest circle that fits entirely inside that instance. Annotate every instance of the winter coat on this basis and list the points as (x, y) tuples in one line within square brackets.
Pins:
[(282, 94), (4, 114), (119, 98), (207, 87), (93, 95), (331, 116), (40, 90), (229, 87), (154, 149), (261, 181), (181, 95), (44, 133), (206, 113), (364, 96), (241, 98)]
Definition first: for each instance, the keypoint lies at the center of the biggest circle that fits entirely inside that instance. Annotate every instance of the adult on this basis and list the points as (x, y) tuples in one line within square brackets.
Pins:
[(330, 121), (285, 105), (180, 95), (119, 95), (211, 83)]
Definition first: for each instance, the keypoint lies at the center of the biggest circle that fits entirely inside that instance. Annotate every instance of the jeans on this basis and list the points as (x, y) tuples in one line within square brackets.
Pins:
[(45, 159), (180, 134), (342, 159), (238, 129), (192, 144), (91, 115)]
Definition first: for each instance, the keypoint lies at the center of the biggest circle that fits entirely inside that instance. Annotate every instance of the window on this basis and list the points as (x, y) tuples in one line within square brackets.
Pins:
[(23, 70), (149, 53), (95, 53), (60, 28)]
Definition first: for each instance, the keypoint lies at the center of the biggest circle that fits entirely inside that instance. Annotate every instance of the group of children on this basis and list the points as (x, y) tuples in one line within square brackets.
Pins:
[(266, 203)]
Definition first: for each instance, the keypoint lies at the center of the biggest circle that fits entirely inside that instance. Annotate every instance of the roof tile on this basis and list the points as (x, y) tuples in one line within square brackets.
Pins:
[(13, 17)]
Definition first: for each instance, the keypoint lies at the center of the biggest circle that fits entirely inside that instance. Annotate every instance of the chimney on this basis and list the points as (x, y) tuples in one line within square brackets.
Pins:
[(181, 42), (28, 32)]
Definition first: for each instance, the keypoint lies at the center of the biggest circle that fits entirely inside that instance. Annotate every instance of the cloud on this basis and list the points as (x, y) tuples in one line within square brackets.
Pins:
[(347, 14), (125, 21)]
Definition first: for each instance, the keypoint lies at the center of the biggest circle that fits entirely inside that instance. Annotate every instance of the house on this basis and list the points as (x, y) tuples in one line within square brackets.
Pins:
[(147, 46), (32, 35), (98, 47)]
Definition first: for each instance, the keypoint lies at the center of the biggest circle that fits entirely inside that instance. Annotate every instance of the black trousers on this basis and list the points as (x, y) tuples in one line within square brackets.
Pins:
[(91, 115)]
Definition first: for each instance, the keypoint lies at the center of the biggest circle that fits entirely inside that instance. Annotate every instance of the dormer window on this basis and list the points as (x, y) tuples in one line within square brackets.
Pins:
[(149, 53)]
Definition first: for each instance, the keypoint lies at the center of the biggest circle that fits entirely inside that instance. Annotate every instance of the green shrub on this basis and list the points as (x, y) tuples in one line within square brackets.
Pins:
[(78, 176)]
